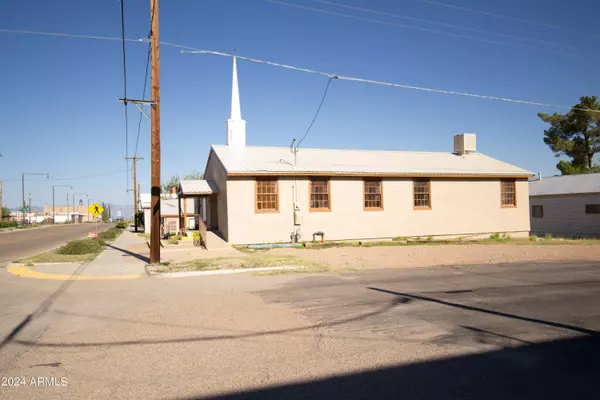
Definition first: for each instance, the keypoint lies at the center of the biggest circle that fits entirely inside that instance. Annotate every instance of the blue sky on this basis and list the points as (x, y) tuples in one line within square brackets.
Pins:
[(60, 115)]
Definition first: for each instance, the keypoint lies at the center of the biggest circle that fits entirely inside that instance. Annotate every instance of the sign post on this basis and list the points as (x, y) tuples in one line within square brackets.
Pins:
[(96, 210)]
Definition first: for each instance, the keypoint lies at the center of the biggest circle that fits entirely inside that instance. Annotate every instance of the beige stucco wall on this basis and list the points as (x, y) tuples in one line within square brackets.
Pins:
[(458, 207), (215, 172), (565, 215)]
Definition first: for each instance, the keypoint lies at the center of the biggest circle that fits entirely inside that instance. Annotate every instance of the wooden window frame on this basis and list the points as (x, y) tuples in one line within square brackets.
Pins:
[(268, 211), (541, 208), (430, 194), (380, 181), (514, 183), (310, 183), (589, 206)]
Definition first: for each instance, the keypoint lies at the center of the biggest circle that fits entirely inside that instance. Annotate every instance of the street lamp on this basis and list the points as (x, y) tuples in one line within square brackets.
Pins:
[(80, 201), (53, 203), (88, 210), (23, 190)]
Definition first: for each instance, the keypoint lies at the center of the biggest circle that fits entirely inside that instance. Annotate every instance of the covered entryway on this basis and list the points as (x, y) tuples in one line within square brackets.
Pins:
[(203, 194)]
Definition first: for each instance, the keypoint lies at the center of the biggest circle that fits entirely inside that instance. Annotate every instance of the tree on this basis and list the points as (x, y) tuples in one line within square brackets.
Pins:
[(5, 212), (104, 213), (576, 135), (173, 182), (194, 175)]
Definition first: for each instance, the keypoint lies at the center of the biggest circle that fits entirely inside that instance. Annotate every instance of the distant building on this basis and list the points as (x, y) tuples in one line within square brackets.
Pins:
[(272, 194), (169, 213), (75, 214), (566, 205)]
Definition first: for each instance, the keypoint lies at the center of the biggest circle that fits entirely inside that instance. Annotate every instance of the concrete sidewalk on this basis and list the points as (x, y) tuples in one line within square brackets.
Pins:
[(118, 259)]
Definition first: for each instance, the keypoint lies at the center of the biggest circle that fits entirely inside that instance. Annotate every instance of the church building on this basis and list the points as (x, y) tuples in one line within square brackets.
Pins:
[(276, 194)]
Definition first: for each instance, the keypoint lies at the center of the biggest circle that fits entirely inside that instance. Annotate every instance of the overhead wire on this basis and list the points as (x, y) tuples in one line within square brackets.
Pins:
[(458, 35), (317, 113), (525, 21), (70, 178), (367, 10), (137, 140), (125, 90), (190, 49)]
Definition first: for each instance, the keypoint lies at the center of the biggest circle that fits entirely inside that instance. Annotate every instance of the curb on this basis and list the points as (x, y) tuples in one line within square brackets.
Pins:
[(219, 271)]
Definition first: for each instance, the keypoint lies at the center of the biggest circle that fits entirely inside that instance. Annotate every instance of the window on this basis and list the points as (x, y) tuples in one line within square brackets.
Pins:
[(592, 208), (319, 195), (373, 195), (537, 211), (267, 195), (422, 194), (508, 193)]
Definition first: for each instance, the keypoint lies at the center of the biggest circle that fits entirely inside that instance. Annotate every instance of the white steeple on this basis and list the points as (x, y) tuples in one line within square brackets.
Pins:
[(236, 126)]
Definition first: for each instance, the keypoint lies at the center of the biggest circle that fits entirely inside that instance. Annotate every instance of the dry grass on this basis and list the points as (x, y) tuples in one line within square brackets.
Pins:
[(53, 257), (254, 261)]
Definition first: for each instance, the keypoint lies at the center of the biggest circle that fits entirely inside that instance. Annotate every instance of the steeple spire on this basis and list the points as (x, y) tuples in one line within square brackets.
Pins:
[(236, 126)]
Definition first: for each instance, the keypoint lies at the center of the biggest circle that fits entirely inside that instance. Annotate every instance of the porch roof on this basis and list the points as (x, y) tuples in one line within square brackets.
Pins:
[(196, 187)]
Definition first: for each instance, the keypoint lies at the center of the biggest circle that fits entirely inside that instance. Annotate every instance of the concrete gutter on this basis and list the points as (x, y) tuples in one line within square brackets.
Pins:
[(219, 271)]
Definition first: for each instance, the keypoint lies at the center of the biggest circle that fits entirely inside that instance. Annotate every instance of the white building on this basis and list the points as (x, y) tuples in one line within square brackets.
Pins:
[(566, 205), (271, 194)]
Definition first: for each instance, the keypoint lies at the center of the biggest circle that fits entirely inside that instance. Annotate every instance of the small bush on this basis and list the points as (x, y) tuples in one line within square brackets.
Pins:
[(9, 224), (532, 238), (121, 225), (83, 246), (495, 236), (548, 236), (175, 239), (110, 234), (429, 238)]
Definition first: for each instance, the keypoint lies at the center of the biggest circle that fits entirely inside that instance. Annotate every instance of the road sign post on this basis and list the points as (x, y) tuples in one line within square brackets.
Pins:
[(96, 210)]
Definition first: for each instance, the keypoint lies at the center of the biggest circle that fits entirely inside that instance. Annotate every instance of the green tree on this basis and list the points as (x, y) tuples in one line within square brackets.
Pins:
[(5, 212), (173, 182), (576, 135), (194, 175), (104, 213)]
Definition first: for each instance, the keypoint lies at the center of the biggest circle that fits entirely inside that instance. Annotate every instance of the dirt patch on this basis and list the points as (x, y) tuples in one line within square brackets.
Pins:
[(423, 256), (253, 261)]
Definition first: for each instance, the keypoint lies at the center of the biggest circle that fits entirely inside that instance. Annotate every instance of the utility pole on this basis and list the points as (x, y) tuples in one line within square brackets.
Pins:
[(155, 141), (135, 189)]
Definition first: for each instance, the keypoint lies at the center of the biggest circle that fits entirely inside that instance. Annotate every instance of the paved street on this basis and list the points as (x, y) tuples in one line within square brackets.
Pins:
[(493, 332), (24, 242)]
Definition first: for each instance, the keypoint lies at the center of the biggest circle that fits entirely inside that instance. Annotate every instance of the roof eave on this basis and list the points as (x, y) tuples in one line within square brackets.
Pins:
[(382, 174)]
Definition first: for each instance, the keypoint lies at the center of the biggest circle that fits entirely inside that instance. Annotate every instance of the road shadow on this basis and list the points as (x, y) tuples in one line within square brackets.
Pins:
[(561, 369), (130, 253), (553, 324)]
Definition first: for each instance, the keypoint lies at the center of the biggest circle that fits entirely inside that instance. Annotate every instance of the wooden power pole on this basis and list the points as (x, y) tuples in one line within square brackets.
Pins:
[(135, 189), (155, 141)]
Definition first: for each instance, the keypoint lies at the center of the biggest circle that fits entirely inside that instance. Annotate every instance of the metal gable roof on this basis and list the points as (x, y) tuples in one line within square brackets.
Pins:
[(280, 160), (197, 187), (567, 184)]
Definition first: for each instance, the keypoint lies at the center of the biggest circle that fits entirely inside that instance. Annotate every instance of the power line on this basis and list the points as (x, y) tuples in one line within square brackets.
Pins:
[(376, 21), (70, 178), (318, 111), (189, 49), (137, 140), (349, 78), (442, 24), (525, 21), (125, 89)]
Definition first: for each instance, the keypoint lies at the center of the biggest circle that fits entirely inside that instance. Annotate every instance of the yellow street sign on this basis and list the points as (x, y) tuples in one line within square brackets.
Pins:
[(96, 209)]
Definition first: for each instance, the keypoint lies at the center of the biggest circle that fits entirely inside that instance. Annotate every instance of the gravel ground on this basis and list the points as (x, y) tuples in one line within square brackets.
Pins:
[(423, 256)]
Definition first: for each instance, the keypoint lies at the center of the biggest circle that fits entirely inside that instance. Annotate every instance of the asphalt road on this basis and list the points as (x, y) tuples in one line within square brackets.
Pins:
[(462, 332), (24, 242)]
